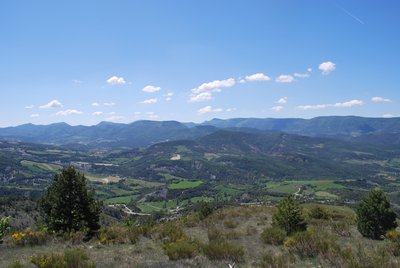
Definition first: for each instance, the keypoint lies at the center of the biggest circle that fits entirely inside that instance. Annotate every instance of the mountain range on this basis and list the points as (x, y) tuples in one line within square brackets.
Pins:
[(381, 131)]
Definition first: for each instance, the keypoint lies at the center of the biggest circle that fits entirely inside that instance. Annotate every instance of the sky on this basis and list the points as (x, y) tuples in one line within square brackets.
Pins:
[(83, 62)]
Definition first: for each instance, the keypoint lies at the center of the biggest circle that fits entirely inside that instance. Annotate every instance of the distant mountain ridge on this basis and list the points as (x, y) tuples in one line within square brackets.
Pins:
[(385, 131)]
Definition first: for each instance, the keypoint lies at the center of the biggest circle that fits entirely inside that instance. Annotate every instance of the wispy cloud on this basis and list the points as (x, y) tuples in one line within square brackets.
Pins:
[(284, 78), (52, 104), (209, 109), (97, 113), (390, 116), (327, 67), (380, 99), (69, 112), (95, 104), (282, 100), (151, 89), (115, 80), (347, 104), (204, 92), (277, 108), (150, 101), (109, 103), (116, 118), (30, 107), (34, 116)]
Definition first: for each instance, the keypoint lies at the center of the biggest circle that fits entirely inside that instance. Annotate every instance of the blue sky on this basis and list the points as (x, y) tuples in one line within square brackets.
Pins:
[(83, 62)]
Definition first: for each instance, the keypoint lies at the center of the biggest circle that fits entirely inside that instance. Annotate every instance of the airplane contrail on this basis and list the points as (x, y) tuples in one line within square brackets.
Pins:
[(348, 13)]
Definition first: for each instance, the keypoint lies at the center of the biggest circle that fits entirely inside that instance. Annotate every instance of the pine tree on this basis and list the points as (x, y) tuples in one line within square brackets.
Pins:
[(289, 216), (68, 205), (374, 215)]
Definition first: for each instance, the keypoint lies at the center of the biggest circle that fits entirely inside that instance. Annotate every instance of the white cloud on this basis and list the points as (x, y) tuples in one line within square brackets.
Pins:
[(204, 96), (109, 104), (204, 92), (112, 113), (389, 116), (380, 99), (282, 100), (95, 104), (346, 104), (285, 78), (115, 80), (68, 112), (327, 67), (349, 103), (242, 81), (257, 77), (51, 104), (209, 109), (115, 118), (34, 115), (76, 81), (302, 75), (29, 107), (150, 101), (277, 108), (151, 89), (309, 70), (97, 113), (313, 107), (231, 110), (168, 96)]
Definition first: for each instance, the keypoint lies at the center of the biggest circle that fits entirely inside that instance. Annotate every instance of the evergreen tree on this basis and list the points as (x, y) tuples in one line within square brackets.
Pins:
[(289, 216), (68, 205), (374, 215)]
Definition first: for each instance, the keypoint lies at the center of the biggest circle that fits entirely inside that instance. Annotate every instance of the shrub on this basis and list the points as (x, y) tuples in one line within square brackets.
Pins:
[(4, 227), (374, 215), (181, 250), (289, 216), (340, 228), (119, 235), (16, 264), (278, 261), (29, 237), (310, 243), (223, 250), (393, 235), (318, 212), (205, 211), (273, 236), (214, 233), (172, 232), (70, 259), (230, 224)]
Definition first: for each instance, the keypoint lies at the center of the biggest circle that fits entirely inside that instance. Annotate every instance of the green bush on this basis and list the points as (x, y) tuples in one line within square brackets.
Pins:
[(181, 250), (318, 212), (223, 250), (4, 227), (289, 216), (278, 261), (273, 236), (374, 215), (205, 211)]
